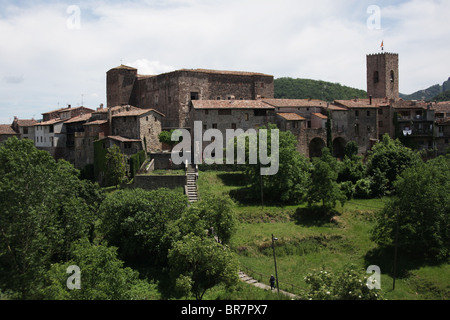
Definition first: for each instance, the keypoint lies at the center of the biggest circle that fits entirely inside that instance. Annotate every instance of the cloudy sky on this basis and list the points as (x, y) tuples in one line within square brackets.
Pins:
[(54, 53)]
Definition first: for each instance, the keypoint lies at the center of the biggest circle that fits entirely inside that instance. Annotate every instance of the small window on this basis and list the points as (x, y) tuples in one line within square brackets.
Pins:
[(205, 127), (376, 77), (194, 95), (206, 112), (392, 79), (356, 113), (233, 126), (25, 130), (214, 126), (368, 113), (380, 111), (246, 117), (218, 98)]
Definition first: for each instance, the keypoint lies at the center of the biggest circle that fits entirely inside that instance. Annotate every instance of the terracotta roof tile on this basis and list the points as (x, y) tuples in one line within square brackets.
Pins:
[(441, 106), (80, 118), (49, 122), (230, 104), (135, 112), (291, 116), (362, 103), (321, 116), (239, 73), (7, 129), (295, 103), (26, 123), (96, 122), (122, 139)]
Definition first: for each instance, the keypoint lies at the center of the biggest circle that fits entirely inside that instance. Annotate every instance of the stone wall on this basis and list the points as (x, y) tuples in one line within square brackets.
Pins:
[(119, 85), (171, 93), (363, 127), (161, 161), (152, 182)]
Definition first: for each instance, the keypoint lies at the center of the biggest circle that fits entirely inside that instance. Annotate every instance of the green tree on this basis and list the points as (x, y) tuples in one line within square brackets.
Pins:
[(386, 162), (351, 149), (45, 207), (421, 208), (102, 276), (323, 185), (289, 88), (212, 213), (166, 137), (115, 166), (288, 185), (198, 264), (137, 222)]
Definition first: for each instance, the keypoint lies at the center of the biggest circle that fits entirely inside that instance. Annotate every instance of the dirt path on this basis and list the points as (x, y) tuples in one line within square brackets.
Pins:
[(258, 284)]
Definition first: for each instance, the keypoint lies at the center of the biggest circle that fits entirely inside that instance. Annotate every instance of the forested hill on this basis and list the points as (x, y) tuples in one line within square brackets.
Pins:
[(289, 88), (437, 92)]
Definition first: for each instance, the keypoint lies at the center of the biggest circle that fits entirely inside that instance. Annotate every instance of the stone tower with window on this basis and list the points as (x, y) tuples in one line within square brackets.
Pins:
[(382, 75)]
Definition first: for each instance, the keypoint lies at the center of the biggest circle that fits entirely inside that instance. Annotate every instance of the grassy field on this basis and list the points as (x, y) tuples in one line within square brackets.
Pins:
[(305, 245)]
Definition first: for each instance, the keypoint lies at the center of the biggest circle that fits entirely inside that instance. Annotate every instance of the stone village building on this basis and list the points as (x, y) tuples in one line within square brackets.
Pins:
[(139, 107)]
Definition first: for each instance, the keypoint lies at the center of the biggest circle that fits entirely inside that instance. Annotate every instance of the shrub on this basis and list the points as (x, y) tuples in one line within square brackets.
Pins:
[(349, 284), (363, 188)]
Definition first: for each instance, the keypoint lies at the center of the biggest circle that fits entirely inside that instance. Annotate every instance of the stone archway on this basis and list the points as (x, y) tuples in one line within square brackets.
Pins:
[(339, 147), (315, 147)]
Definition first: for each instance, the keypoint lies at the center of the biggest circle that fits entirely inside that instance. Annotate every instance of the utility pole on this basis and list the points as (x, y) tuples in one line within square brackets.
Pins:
[(275, 261)]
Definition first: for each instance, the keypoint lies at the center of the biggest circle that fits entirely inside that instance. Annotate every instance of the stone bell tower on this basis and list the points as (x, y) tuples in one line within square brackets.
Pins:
[(382, 75)]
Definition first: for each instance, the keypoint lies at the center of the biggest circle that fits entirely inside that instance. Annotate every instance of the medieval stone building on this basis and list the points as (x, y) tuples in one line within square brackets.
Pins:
[(171, 93)]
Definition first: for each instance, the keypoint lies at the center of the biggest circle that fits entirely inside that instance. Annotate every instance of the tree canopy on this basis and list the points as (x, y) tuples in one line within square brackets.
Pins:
[(45, 207), (289, 88), (421, 209)]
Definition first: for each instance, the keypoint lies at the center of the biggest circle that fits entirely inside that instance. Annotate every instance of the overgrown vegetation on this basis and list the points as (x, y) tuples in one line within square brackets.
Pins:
[(289, 88), (137, 244)]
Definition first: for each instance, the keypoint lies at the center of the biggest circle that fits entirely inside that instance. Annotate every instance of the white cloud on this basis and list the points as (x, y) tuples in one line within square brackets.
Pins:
[(321, 39)]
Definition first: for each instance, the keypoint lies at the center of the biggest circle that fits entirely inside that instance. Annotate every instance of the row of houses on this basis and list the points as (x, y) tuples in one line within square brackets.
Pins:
[(421, 125), (70, 133), (139, 107)]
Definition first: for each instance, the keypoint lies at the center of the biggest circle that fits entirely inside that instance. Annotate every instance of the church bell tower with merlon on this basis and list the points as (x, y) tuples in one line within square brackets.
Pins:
[(383, 75)]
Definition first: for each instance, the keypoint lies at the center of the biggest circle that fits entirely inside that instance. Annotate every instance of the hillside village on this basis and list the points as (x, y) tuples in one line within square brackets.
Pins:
[(140, 107)]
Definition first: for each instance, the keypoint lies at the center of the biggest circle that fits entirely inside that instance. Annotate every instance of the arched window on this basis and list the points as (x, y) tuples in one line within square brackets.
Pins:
[(392, 76), (376, 77)]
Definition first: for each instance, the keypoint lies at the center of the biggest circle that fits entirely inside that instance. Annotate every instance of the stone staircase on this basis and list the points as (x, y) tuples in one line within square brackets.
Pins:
[(191, 187)]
